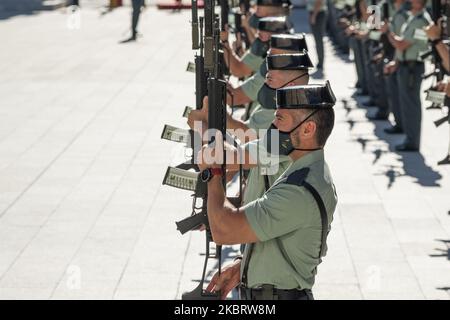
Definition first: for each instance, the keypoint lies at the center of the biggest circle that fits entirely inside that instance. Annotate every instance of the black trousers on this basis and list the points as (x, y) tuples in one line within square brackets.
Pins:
[(137, 5), (318, 31), (268, 292)]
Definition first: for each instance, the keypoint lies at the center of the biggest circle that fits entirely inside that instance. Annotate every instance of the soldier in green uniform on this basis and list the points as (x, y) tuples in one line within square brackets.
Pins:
[(252, 59), (318, 10), (283, 70), (265, 8), (287, 227), (279, 44), (390, 69), (409, 44)]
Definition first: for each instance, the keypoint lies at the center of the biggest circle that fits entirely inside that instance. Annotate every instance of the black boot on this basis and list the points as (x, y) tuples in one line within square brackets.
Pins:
[(444, 161), (393, 130)]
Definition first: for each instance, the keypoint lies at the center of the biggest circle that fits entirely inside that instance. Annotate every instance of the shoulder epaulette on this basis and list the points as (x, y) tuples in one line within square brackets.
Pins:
[(298, 177)]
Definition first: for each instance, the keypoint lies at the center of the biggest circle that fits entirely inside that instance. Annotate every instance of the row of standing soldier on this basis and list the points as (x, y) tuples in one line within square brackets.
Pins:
[(390, 41), (283, 216)]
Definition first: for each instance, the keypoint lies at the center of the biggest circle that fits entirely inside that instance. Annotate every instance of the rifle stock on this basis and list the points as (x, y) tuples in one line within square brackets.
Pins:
[(441, 121), (192, 223)]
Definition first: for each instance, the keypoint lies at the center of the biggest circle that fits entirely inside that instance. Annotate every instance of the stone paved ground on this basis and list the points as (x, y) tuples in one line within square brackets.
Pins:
[(82, 210)]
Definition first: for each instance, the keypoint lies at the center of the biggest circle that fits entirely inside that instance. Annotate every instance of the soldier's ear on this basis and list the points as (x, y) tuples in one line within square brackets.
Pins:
[(310, 129)]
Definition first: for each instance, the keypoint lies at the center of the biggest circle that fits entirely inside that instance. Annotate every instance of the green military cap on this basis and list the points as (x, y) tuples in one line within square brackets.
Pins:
[(290, 61), (274, 24), (273, 3), (293, 42), (312, 96)]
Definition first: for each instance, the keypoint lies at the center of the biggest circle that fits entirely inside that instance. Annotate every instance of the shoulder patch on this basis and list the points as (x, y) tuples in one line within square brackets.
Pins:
[(424, 16), (298, 177)]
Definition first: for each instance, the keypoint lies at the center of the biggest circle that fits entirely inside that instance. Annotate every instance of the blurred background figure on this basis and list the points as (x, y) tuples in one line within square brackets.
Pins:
[(318, 20), (137, 6), (113, 4)]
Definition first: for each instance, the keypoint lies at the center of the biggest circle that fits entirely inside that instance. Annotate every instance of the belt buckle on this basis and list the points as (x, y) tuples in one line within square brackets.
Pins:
[(268, 292), (244, 292)]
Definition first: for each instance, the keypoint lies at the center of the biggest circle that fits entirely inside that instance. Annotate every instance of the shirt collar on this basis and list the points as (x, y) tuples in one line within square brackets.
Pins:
[(306, 161)]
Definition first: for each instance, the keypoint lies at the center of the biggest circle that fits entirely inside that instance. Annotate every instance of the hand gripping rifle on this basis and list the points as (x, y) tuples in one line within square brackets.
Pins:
[(241, 36)]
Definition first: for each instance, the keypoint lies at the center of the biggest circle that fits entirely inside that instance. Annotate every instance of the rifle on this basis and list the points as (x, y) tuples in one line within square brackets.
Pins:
[(208, 82), (216, 121), (385, 9), (194, 24), (189, 137), (246, 5), (241, 11), (208, 38), (441, 121), (224, 10)]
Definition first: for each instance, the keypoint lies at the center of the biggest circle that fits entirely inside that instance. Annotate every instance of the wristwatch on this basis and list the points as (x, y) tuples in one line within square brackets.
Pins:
[(207, 174), (436, 41)]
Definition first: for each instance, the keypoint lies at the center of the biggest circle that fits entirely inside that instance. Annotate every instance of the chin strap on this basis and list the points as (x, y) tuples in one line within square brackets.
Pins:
[(315, 149)]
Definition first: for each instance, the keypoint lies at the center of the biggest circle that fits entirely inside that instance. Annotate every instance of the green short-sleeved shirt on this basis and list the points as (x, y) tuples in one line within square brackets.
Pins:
[(260, 118), (290, 213), (409, 31), (252, 61), (272, 166), (252, 85), (398, 19)]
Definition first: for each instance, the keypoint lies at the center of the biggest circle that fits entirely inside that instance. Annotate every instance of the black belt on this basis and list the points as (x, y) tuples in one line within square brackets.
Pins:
[(269, 292), (411, 63)]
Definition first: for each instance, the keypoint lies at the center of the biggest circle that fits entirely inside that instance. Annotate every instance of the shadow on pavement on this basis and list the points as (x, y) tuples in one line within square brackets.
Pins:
[(443, 253), (13, 8), (413, 162)]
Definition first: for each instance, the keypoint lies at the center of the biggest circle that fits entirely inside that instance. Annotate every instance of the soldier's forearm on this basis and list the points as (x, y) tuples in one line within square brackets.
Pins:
[(399, 43), (236, 66), (234, 124), (218, 211), (246, 160), (236, 97), (228, 224), (444, 52), (250, 34)]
